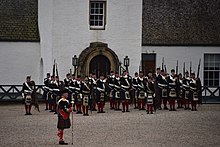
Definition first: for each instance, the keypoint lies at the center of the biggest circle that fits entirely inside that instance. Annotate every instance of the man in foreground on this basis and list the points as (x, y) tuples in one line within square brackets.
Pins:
[(64, 110)]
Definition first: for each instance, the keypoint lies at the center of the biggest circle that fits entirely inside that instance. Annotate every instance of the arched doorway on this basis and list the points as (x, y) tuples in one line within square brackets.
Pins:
[(97, 58), (100, 64)]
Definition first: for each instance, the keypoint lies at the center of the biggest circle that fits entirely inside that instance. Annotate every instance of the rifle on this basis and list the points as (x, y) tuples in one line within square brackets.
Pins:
[(177, 67), (165, 68), (198, 68), (163, 63), (54, 69), (184, 69), (190, 68)]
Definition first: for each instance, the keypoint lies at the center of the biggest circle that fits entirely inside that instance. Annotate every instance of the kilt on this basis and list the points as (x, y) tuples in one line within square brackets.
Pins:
[(63, 123)]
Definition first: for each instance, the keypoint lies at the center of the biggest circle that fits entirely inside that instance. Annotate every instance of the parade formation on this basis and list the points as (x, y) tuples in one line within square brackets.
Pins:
[(151, 92)]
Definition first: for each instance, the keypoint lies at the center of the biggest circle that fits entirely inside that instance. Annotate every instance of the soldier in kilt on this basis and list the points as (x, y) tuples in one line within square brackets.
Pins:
[(141, 90), (186, 90), (78, 95), (194, 92), (180, 100), (64, 110), (46, 90), (117, 92), (124, 93), (27, 93), (85, 90), (111, 92), (135, 89), (101, 94), (172, 89), (150, 87), (163, 89)]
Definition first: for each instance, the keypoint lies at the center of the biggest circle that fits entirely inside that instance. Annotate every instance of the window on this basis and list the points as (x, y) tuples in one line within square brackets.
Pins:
[(211, 70), (97, 15)]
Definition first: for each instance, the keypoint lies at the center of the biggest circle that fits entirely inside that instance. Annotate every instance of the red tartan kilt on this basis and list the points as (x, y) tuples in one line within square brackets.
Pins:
[(63, 123)]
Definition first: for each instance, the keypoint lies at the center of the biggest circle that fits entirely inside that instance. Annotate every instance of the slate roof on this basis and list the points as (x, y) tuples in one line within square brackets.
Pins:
[(181, 22), (19, 20)]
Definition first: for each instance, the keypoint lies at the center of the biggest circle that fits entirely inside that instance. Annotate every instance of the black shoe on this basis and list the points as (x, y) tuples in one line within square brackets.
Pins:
[(147, 112), (170, 109), (86, 114), (99, 112), (46, 109), (127, 111), (78, 112), (29, 114), (55, 112), (52, 111), (74, 110), (174, 109), (135, 107), (94, 109), (151, 113), (63, 143), (123, 111), (165, 108), (26, 114)]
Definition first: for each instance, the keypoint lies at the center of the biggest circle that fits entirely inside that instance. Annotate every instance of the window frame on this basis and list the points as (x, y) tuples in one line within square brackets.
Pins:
[(93, 27), (209, 75)]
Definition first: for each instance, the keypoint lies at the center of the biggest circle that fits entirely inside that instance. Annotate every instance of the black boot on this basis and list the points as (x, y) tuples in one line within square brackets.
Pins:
[(63, 143)]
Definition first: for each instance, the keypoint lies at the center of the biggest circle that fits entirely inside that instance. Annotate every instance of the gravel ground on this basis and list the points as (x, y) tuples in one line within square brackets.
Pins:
[(113, 128)]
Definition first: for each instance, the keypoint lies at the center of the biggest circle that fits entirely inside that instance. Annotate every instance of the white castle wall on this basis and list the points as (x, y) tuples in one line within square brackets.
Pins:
[(71, 33), (17, 60)]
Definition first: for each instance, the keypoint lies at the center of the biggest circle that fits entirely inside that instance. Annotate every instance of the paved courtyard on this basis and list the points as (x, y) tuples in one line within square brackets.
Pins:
[(138, 129)]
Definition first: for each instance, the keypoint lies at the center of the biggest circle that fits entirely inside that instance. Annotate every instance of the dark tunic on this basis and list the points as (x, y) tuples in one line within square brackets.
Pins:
[(125, 86), (172, 85), (101, 89), (63, 123)]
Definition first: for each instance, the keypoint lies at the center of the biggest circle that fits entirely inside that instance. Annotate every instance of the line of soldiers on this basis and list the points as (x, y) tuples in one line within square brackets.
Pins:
[(144, 92), (174, 87)]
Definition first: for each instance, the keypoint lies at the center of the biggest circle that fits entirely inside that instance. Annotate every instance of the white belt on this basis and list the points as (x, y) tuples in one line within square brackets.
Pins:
[(124, 86), (56, 89), (100, 89)]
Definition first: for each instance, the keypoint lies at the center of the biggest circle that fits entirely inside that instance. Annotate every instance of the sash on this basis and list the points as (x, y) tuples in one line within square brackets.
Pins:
[(29, 88)]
